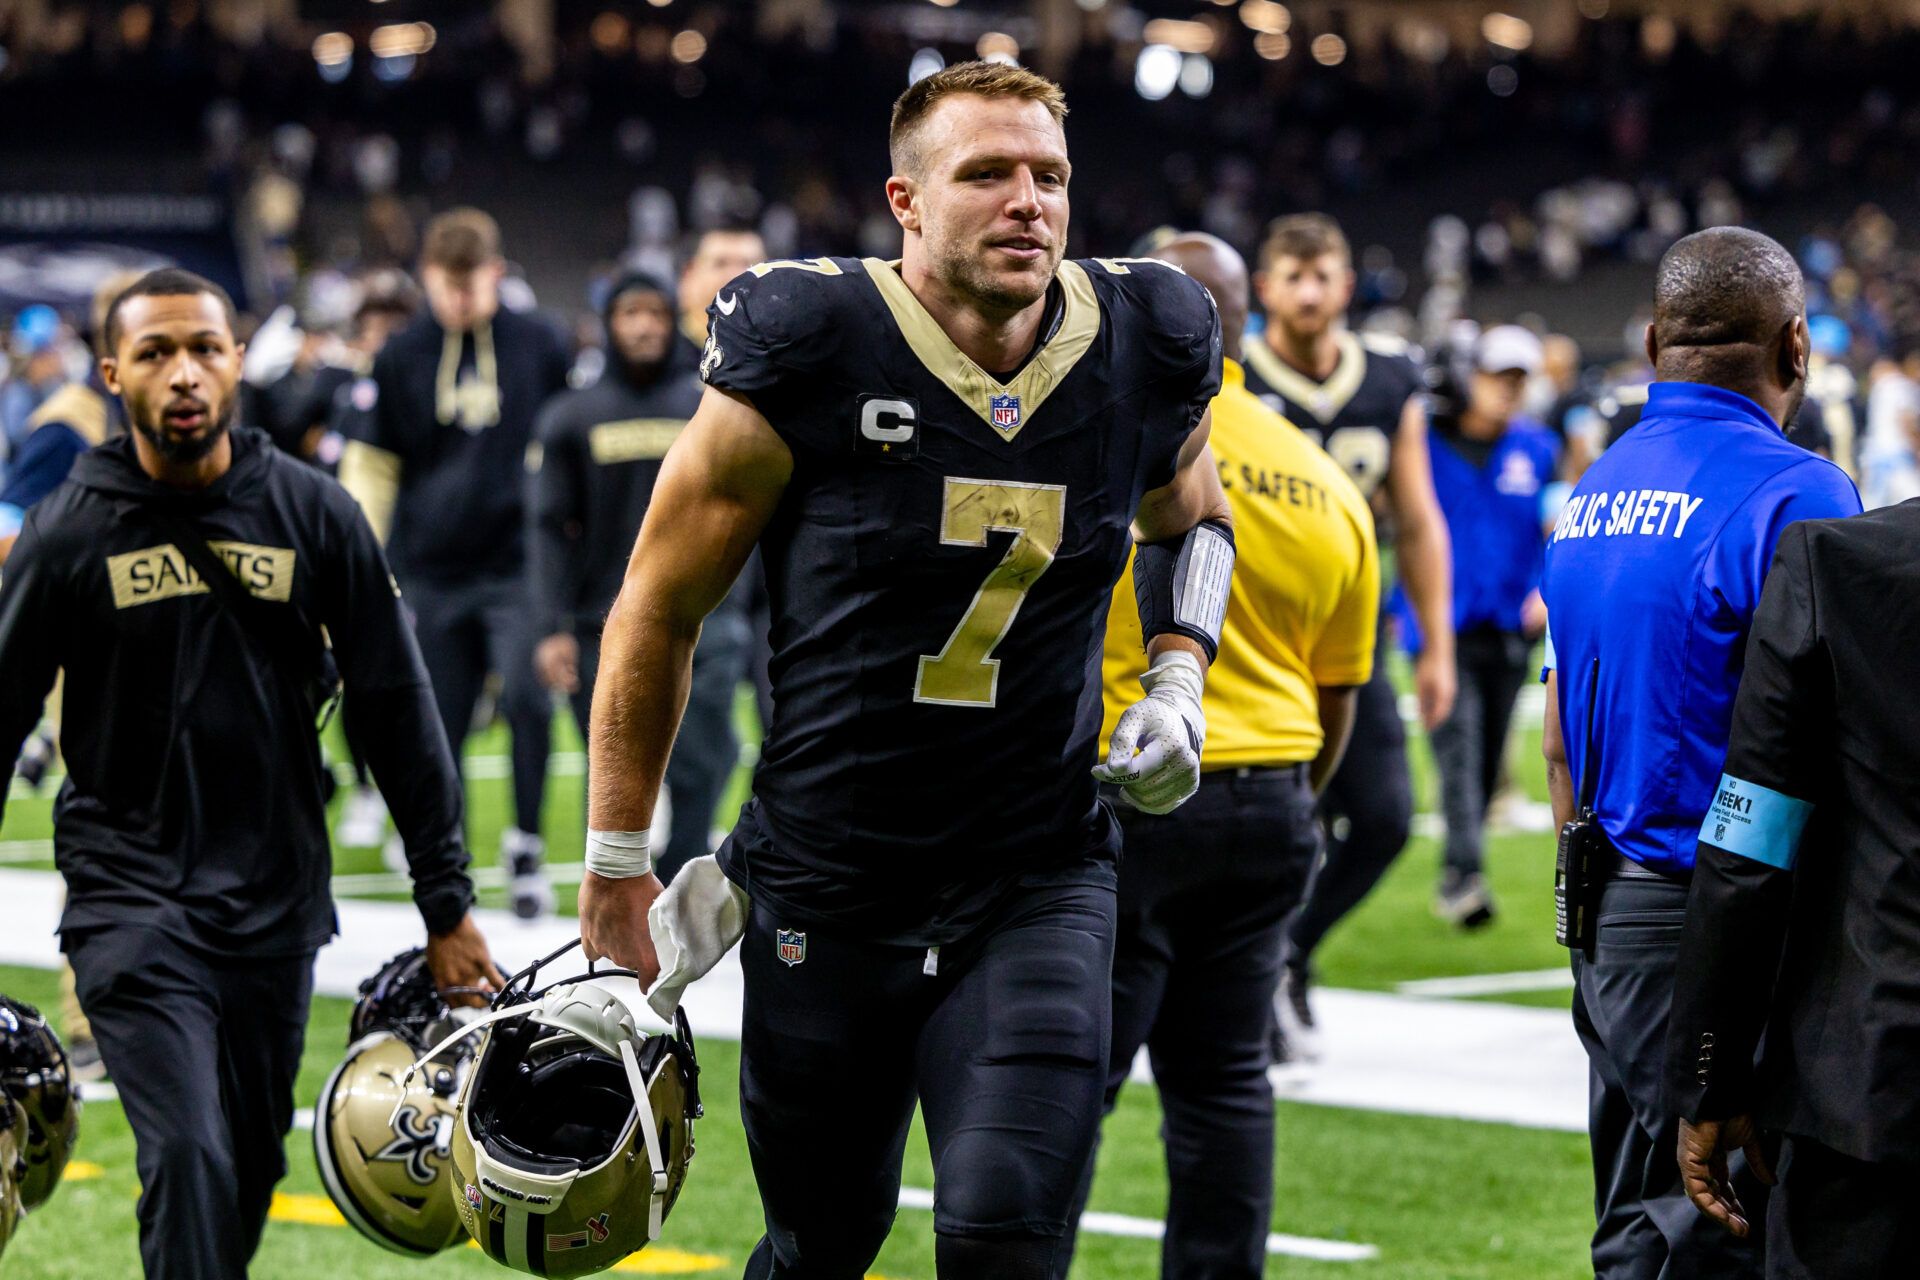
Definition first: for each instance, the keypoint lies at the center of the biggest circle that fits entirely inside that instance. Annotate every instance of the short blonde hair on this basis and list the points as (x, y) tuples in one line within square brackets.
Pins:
[(982, 79), (460, 240), (1305, 236)]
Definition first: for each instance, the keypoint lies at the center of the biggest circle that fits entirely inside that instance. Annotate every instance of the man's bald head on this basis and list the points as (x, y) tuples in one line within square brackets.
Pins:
[(1728, 307), (1215, 264)]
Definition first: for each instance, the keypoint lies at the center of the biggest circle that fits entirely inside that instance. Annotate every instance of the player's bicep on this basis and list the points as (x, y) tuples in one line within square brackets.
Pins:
[(1194, 494), (717, 489)]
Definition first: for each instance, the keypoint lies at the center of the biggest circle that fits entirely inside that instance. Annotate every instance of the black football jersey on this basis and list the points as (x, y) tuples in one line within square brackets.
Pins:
[(1355, 413), (939, 571)]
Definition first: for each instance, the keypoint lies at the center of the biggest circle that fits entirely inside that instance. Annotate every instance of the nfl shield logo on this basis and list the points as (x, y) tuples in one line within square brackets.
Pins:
[(793, 946), (1006, 411)]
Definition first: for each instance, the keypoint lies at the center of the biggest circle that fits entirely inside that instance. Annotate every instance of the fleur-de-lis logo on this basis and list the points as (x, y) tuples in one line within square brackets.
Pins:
[(413, 1144), (712, 357)]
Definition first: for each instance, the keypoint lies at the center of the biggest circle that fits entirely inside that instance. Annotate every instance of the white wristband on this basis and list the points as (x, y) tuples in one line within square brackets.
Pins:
[(618, 855)]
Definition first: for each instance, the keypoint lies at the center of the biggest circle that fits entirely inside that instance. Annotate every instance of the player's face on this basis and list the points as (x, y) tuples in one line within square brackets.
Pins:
[(1496, 396), (176, 367), (1306, 296), (640, 327), (462, 300), (721, 256), (992, 200)]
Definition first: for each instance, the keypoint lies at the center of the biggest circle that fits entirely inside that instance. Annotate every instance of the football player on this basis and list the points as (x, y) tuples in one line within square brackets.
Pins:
[(940, 459), (1361, 397)]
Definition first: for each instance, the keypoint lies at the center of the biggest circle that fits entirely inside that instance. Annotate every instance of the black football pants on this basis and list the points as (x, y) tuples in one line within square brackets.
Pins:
[(1368, 806), (1468, 748), (1003, 1043), (1833, 1215), (1645, 1227), (1204, 896), (204, 1052), (467, 630)]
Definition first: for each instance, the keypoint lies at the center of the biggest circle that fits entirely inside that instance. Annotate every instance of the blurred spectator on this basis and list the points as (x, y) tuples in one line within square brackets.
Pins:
[(1491, 469), (1890, 456), (39, 368)]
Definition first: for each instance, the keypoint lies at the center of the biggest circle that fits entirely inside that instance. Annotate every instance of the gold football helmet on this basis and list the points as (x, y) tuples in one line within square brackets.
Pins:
[(13, 1166), (381, 1136), (33, 1072), (574, 1128)]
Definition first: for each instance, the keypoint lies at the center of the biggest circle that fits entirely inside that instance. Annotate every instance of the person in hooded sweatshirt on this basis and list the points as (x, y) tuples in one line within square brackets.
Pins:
[(592, 474), (191, 830), (440, 468)]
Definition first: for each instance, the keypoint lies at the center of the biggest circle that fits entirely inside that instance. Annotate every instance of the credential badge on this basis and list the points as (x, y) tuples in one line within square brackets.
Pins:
[(792, 946), (1006, 412)]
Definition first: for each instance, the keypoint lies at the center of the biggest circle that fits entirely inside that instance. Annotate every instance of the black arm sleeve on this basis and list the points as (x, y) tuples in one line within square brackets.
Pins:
[(406, 746), (1740, 903), (555, 522), (28, 654)]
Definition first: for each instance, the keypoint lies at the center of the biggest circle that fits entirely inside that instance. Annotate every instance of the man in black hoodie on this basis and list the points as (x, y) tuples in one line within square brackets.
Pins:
[(441, 470), (593, 473), (191, 829)]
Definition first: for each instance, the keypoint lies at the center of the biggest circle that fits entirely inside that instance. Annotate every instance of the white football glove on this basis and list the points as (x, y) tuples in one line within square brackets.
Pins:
[(1154, 754)]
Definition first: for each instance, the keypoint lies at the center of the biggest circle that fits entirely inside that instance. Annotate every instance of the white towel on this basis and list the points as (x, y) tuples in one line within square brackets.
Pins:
[(694, 923)]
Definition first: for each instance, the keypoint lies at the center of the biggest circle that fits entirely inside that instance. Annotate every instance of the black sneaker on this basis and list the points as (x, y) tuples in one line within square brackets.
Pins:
[(1465, 901), (36, 757), (528, 891)]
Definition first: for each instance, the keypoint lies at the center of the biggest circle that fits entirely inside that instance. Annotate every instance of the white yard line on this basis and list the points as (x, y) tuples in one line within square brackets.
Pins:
[(1488, 984), (1119, 1224)]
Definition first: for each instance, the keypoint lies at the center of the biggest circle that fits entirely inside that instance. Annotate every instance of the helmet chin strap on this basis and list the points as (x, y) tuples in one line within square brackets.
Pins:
[(643, 1106)]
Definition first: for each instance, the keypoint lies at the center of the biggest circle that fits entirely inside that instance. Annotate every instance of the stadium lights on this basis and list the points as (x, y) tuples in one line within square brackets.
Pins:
[(1156, 71), (610, 33), (333, 48), (946, 4), (1328, 50), (1507, 31), (1091, 6), (1595, 9), (998, 46), (1196, 75), (688, 47), (401, 40), (1273, 45), (1266, 15), (1176, 33), (925, 63)]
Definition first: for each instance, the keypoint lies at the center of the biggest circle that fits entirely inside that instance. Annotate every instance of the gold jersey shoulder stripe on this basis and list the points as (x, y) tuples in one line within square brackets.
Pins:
[(633, 439), (1049, 367), (162, 573), (1324, 400)]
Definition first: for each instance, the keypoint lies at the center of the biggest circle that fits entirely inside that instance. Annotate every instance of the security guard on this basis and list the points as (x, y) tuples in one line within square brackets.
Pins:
[(599, 455), (1811, 851), (1653, 573), (1206, 890), (191, 831)]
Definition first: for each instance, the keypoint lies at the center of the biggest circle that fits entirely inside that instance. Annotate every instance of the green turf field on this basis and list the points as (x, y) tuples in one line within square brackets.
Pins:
[(1440, 1199)]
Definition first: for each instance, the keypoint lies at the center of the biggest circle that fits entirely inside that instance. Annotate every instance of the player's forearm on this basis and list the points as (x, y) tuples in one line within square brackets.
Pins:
[(646, 668), (1337, 704), (1554, 748), (1426, 555)]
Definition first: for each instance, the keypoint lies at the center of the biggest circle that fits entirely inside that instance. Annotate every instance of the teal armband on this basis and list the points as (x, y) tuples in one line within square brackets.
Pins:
[(1755, 822)]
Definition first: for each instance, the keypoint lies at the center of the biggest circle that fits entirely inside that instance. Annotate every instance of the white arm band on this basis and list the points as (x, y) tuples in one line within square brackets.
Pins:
[(618, 855)]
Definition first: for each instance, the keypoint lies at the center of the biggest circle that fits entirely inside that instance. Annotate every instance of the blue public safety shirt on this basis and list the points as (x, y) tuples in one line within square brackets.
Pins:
[(1496, 520), (1655, 567)]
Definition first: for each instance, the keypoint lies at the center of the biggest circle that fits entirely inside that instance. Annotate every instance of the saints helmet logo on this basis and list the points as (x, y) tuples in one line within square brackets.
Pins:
[(712, 357), (414, 1142)]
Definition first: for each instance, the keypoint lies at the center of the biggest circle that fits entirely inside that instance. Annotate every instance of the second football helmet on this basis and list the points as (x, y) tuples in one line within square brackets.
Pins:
[(33, 1072), (382, 1137)]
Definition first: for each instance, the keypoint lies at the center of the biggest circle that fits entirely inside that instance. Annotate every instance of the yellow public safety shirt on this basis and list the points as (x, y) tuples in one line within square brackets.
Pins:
[(1306, 592)]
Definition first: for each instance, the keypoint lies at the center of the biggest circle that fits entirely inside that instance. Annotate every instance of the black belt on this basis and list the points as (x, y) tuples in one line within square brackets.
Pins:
[(1618, 866), (1283, 772)]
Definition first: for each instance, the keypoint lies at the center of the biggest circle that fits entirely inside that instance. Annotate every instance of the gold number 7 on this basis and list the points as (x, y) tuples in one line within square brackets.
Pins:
[(965, 673)]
